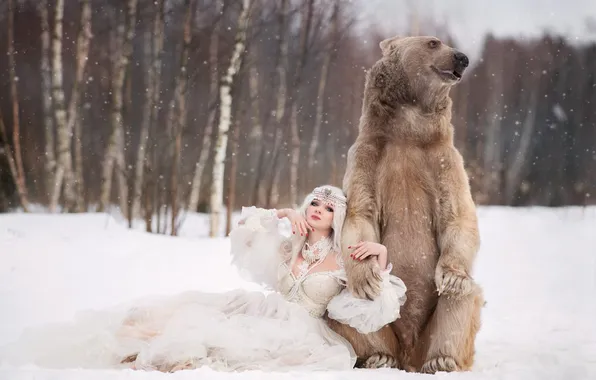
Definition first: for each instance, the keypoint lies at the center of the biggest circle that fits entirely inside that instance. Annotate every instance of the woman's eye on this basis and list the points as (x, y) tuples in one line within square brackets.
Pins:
[(314, 203), (329, 209)]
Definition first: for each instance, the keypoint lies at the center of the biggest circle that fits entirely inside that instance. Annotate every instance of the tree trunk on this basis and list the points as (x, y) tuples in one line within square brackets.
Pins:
[(294, 156), (12, 165), (274, 170), (225, 114), (332, 151), (295, 152), (155, 128), (64, 173), (81, 203), (144, 132), (518, 168), (174, 181), (232, 182), (115, 150), (19, 175), (314, 143), (257, 146), (46, 96), (109, 157), (493, 149), (180, 114), (147, 197), (74, 119), (152, 45), (273, 199), (195, 190)]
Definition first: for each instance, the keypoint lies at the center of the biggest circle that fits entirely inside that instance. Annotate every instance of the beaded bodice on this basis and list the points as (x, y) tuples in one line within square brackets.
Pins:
[(313, 290)]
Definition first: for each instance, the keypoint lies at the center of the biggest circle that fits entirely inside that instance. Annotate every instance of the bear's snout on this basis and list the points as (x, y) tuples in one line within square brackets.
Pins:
[(461, 60)]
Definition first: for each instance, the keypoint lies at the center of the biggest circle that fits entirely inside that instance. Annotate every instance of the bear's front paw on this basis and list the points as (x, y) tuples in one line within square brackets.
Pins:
[(364, 279), (452, 282)]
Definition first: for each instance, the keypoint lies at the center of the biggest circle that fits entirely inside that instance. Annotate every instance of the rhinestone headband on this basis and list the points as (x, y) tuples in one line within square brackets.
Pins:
[(326, 195)]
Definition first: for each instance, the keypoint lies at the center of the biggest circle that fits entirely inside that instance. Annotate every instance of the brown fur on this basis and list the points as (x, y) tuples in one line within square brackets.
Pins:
[(365, 346), (407, 188)]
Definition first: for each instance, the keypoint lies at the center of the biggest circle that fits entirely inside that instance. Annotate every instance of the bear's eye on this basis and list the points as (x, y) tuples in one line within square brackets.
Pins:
[(433, 44)]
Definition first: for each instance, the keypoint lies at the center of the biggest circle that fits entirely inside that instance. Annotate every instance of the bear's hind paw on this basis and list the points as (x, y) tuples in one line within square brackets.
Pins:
[(440, 364), (379, 361)]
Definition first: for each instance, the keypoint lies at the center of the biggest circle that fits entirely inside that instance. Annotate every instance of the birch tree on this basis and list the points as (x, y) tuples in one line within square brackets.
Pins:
[(225, 117), (114, 155), (195, 189), (46, 96), (63, 177), (66, 120), (74, 117), (232, 180)]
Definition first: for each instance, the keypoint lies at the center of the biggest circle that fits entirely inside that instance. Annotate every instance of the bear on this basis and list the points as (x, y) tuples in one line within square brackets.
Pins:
[(408, 189)]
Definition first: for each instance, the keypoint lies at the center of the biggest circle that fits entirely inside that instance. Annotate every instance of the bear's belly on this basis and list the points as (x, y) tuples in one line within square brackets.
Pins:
[(408, 233), (407, 207)]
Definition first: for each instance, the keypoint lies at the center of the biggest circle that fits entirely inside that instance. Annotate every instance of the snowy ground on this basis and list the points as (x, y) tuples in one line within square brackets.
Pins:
[(537, 267)]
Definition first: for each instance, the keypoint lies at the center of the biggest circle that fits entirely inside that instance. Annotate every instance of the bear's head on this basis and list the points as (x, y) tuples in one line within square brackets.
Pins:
[(418, 69)]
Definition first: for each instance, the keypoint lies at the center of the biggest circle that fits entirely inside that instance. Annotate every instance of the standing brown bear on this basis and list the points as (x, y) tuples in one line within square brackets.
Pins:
[(407, 188)]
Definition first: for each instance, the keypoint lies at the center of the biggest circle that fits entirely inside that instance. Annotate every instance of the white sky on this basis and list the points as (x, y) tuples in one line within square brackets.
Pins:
[(469, 20)]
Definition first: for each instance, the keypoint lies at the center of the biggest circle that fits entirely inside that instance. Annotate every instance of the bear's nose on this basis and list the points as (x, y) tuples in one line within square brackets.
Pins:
[(461, 59)]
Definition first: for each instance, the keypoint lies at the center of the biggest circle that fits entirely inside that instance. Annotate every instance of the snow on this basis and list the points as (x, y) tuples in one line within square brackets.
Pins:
[(537, 267)]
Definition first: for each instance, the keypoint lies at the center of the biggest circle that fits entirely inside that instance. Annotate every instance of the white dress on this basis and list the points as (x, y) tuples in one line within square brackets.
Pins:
[(232, 331)]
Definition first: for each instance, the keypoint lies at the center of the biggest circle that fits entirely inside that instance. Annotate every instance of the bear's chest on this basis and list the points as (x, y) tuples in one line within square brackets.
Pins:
[(409, 173), (408, 204), (408, 196)]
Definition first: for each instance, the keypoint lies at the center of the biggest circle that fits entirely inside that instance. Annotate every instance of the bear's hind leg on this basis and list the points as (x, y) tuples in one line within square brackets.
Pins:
[(452, 332), (374, 350)]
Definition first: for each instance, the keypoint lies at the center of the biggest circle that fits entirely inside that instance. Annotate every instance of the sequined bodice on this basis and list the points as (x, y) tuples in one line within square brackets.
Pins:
[(313, 291)]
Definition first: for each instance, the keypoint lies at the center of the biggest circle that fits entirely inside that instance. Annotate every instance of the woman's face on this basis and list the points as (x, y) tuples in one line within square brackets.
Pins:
[(319, 215)]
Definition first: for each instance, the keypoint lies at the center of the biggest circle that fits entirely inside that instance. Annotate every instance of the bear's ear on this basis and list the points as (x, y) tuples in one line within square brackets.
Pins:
[(388, 45)]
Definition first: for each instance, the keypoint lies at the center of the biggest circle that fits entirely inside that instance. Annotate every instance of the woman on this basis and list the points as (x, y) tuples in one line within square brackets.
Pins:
[(239, 330)]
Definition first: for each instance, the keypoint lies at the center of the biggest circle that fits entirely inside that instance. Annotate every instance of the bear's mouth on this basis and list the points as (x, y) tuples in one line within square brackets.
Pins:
[(449, 75)]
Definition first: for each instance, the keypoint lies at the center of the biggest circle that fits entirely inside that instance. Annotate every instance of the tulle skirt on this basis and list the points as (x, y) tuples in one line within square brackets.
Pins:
[(232, 331)]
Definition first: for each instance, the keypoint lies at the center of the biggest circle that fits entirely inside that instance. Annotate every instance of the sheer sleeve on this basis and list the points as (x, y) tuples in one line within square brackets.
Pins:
[(365, 315), (257, 246)]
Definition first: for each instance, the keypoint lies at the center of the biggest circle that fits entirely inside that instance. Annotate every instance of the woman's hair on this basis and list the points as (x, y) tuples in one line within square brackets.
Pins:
[(339, 212), (325, 193)]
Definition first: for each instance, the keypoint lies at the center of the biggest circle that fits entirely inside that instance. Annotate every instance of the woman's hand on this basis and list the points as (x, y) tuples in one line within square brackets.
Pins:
[(368, 248), (299, 223)]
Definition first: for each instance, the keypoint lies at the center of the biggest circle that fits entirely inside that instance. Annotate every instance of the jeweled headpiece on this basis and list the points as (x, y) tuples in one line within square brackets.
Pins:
[(326, 195)]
